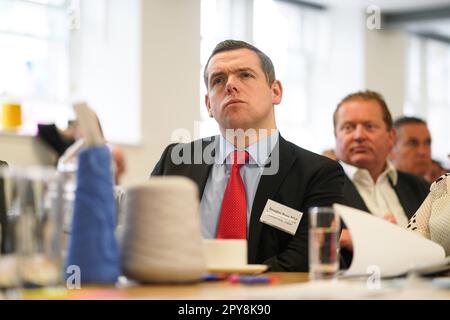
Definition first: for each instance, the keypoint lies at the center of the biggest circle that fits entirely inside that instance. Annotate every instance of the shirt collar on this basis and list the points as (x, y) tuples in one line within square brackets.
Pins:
[(259, 151), (354, 172)]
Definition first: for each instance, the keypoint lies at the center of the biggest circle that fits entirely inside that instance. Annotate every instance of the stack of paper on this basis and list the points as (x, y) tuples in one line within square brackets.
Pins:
[(383, 248)]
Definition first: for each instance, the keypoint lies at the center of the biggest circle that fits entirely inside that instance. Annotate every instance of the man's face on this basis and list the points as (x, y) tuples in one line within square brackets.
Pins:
[(412, 150), (239, 96), (362, 137)]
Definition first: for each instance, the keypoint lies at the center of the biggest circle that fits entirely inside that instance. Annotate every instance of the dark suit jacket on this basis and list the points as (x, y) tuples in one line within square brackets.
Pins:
[(411, 191), (304, 179)]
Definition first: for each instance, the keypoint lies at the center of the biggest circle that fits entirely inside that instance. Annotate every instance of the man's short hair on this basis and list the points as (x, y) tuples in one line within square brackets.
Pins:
[(229, 45), (408, 120), (367, 95)]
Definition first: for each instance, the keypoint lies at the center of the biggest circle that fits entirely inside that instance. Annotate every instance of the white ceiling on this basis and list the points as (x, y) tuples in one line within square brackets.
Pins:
[(438, 27), (388, 5)]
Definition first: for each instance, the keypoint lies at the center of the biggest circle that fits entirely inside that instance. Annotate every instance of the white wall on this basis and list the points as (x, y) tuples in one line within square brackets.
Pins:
[(385, 65), (24, 150), (170, 79), (348, 52), (346, 71), (106, 64)]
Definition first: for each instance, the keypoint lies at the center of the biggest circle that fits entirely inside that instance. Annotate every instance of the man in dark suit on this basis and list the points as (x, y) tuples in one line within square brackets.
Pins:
[(364, 138), (242, 92)]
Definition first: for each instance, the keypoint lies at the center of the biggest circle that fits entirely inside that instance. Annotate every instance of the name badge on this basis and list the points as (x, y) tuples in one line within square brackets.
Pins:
[(281, 217)]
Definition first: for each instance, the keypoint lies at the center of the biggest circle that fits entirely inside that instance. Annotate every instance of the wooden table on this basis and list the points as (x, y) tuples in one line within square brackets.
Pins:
[(210, 290), (289, 285)]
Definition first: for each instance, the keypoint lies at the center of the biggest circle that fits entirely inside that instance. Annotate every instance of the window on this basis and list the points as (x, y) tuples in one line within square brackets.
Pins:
[(55, 52), (428, 89), (105, 60), (34, 59), (220, 20), (296, 38)]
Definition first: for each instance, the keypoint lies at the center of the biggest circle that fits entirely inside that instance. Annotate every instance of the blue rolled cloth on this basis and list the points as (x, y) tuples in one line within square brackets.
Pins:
[(92, 243)]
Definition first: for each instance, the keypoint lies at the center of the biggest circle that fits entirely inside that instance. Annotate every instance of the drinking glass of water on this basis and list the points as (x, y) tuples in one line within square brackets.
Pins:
[(324, 230), (31, 228)]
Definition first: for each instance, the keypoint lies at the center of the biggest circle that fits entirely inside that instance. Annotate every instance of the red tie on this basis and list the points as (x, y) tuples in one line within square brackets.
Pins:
[(233, 216)]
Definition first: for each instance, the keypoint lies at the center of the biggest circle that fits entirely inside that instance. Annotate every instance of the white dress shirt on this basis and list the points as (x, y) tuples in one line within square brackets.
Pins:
[(379, 197)]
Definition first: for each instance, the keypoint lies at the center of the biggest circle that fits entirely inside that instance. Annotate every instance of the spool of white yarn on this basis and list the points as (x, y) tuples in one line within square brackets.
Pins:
[(161, 239)]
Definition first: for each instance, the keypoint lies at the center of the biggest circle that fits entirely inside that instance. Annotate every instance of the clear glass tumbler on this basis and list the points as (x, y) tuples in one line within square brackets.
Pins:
[(324, 231)]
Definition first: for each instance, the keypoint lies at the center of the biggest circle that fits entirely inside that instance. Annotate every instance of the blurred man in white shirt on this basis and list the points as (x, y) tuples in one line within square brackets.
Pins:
[(364, 138)]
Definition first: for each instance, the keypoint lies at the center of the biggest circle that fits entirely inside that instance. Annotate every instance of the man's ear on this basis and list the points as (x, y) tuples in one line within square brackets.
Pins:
[(277, 92), (208, 105)]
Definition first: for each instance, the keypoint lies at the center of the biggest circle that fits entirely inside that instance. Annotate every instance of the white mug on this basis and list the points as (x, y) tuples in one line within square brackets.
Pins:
[(225, 253)]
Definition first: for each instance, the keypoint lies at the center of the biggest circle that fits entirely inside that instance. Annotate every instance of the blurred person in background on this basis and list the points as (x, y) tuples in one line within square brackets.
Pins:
[(329, 153), (67, 142), (412, 148), (365, 136), (436, 170)]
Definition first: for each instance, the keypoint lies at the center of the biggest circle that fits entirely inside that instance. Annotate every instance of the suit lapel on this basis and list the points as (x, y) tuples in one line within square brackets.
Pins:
[(202, 154), (404, 196), (199, 172), (352, 197), (268, 186)]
